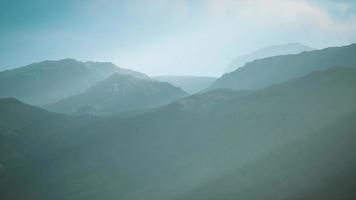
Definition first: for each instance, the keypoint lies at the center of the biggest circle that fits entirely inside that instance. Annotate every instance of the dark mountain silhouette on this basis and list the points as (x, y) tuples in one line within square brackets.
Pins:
[(268, 71), (179, 149), (269, 51), (191, 84), (119, 93), (49, 81)]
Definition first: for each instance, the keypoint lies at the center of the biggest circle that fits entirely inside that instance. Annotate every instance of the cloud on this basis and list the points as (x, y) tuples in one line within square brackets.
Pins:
[(281, 12), (226, 28), (183, 36)]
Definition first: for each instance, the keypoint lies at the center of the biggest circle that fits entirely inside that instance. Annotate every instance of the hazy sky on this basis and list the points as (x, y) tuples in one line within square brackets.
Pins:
[(197, 37)]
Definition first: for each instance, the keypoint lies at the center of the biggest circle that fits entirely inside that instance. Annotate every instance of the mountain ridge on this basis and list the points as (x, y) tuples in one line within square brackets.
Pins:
[(268, 51), (278, 69), (186, 148), (119, 93), (48, 81), (164, 153)]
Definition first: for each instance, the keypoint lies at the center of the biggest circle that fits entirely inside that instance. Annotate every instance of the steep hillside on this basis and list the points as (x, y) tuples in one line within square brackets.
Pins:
[(49, 81), (268, 71)]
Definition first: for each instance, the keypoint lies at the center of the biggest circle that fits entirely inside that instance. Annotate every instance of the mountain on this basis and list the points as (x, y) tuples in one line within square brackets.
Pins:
[(49, 81), (269, 51), (179, 149), (316, 166), (268, 71), (28, 136), (191, 84), (119, 93)]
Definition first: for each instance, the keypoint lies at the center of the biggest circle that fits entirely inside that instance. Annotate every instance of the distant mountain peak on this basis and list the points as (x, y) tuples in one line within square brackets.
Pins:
[(264, 72), (268, 51)]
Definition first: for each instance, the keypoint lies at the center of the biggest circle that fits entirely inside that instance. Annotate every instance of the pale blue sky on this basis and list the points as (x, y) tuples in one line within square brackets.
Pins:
[(177, 37)]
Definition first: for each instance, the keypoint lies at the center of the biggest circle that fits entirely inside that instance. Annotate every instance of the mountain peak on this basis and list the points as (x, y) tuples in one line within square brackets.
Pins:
[(51, 80), (118, 93), (268, 51)]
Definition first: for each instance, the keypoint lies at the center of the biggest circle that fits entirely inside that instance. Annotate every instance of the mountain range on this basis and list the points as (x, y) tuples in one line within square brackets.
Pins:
[(49, 81), (75, 87), (285, 141), (119, 93), (278, 69)]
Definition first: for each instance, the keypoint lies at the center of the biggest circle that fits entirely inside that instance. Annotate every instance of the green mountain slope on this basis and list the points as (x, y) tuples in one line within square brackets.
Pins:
[(119, 93), (268, 71), (49, 81)]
